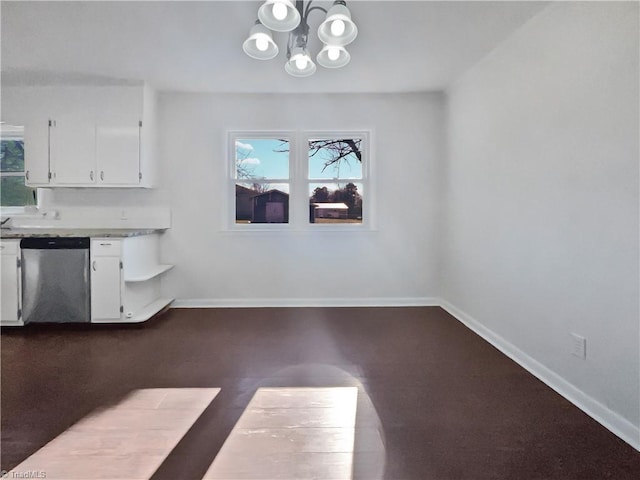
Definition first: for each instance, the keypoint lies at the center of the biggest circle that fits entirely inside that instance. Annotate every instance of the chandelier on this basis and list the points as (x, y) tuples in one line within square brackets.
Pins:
[(336, 31)]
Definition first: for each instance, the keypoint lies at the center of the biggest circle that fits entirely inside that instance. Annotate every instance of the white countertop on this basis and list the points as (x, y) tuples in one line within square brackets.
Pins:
[(9, 233)]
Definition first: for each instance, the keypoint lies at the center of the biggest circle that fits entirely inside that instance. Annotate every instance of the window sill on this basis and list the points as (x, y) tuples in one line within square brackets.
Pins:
[(314, 229), (30, 211)]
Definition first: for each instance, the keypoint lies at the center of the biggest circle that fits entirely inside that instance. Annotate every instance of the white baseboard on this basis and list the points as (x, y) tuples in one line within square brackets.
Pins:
[(305, 302), (618, 425)]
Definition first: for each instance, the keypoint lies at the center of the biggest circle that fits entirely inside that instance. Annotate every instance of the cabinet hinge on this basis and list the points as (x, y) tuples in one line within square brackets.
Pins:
[(139, 123), (49, 175), (120, 264), (50, 123), (19, 314), (18, 263), (121, 308), (139, 175)]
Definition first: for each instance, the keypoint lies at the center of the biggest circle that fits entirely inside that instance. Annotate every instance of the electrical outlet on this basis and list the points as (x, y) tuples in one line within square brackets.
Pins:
[(578, 346)]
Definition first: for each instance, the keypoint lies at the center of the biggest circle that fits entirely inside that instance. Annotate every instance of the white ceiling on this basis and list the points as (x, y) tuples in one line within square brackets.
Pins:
[(402, 46)]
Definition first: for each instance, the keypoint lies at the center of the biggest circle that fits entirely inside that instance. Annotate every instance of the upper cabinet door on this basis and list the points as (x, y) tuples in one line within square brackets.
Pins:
[(36, 151), (118, 153), (73, 151)]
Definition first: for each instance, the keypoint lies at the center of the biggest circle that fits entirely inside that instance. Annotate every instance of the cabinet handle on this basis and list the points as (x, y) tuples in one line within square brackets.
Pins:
[(93, 265), (106, 244), (101, 175), (91, 175), (26, 174)]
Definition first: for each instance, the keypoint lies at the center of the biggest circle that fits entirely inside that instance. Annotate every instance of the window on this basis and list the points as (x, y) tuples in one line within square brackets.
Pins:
[(13, 192), (335, 179), (261, 178), (323, 181)]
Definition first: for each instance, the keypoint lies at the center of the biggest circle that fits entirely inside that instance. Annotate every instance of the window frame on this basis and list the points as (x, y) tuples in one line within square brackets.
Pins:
[(299, 181), (232, 180), (12, 210), (366, 223)]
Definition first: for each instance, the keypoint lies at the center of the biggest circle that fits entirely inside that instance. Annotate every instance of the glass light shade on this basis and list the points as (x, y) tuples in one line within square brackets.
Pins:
[(260, 44), (332, 56), (330, 31), (300, 63), (268, 11)]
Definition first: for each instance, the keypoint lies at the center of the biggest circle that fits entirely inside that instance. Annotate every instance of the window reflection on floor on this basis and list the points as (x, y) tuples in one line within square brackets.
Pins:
[(126, 441), (284, 432), (291, 433)]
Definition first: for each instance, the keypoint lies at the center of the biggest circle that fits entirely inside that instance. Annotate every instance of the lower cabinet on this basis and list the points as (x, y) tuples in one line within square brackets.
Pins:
[(10, 287), (125, 279), (106, 288)]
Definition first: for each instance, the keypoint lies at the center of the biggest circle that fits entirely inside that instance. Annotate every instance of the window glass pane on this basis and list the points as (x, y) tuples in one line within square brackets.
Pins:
[(262, 202), (11, 155), (335, 202), (13, 193), (335, 158), (259, 158)]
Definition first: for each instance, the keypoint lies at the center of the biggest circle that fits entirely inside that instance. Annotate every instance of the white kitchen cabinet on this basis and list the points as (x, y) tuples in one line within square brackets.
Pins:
[(106, 288), (72, 151), (125, 279), (118, 152), (10, 282), (86, 136), (86, 153), (36, 151)]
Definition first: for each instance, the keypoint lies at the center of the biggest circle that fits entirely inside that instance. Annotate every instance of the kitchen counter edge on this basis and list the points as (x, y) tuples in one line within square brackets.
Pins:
[(16, 233)]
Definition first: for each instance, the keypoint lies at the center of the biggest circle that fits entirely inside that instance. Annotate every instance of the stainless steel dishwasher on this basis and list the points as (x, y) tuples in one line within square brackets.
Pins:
[(56, 284)]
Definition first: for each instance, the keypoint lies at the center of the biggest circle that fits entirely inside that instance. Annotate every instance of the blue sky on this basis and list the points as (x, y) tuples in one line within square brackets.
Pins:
[(259, 157)]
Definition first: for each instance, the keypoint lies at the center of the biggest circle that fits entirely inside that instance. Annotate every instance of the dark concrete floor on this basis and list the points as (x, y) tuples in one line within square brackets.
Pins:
[(447, 404)]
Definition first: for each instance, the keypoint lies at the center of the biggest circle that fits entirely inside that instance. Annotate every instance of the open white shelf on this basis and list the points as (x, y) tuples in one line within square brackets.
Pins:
[(150, 310), (149, 274), (142, 315)]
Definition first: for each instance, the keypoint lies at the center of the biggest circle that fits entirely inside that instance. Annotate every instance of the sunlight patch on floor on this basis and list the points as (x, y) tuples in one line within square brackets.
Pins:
[(125, 441), (291, 433)]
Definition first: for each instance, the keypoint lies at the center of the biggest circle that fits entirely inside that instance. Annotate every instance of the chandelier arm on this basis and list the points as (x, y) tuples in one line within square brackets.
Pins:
[(309, 10), (306, 9), (301, 6), (289, 45)]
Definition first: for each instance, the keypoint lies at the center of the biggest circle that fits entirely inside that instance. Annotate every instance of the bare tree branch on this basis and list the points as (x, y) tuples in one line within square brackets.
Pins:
[(243, 170), (339, 150)]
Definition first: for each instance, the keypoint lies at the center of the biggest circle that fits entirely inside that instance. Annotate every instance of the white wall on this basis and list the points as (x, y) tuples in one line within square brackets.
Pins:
[(394, 264), (329, 267), (542, 201)]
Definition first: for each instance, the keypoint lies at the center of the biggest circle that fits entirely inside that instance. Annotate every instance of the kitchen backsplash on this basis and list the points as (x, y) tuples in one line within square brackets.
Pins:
[(96, 217)]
